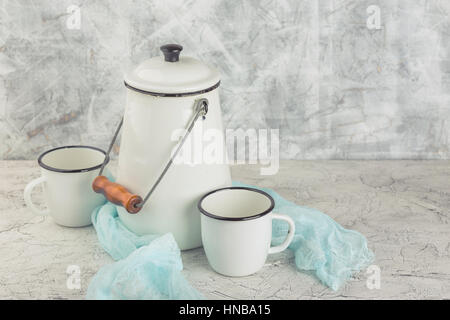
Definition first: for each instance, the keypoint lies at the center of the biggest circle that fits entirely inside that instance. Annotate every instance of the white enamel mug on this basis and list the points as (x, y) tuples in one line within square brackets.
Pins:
[(67, 174), (236, 226)]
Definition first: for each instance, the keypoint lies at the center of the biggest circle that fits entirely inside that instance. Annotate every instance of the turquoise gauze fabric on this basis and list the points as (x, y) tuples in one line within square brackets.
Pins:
[(320, 244), (151, 265), (148, 267)]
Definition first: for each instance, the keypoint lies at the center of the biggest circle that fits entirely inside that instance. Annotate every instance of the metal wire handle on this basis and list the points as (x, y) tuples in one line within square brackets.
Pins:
[(201, 109)]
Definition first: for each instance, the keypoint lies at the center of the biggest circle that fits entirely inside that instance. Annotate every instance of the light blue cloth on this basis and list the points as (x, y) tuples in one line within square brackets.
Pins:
[(150, 268), (151, 265), (112, 234), (320, 244)]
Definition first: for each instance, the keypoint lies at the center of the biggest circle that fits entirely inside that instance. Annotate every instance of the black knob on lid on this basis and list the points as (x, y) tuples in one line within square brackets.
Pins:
[(171, 52)]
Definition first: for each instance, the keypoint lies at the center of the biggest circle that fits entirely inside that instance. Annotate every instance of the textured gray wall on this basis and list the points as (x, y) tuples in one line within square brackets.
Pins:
[(334, 87)]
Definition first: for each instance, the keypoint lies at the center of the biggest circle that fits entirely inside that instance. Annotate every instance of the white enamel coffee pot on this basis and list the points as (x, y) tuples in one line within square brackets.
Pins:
[(165, 95)]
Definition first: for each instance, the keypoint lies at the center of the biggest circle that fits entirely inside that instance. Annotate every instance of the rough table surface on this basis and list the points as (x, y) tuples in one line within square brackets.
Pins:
[(402, 207)]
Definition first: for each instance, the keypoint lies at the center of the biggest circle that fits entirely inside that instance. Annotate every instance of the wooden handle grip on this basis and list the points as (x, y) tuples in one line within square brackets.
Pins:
[(117, 194)]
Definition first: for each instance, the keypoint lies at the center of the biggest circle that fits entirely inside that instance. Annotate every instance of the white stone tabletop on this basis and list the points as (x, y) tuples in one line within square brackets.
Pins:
[(402, 207)]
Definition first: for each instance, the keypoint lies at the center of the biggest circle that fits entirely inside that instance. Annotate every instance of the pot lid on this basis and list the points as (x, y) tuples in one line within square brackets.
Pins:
[(172, 75)]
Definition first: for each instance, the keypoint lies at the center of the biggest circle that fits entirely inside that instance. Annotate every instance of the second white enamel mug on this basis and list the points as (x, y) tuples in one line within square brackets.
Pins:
[(66, 175), (236, 225)]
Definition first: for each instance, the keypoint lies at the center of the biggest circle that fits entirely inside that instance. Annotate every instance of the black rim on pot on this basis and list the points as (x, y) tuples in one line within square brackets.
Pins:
[(258, 215), (43, 165), (161, 94)]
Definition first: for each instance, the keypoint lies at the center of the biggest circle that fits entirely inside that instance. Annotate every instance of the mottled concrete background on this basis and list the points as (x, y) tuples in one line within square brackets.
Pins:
[(334, 87)]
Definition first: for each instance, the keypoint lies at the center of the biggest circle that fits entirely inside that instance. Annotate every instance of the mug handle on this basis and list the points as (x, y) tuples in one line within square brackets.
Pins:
[(27, 196), (290, 234)]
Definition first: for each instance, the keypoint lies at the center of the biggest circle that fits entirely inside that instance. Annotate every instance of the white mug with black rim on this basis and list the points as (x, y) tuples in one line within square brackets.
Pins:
[(67, 174), (236, 224)]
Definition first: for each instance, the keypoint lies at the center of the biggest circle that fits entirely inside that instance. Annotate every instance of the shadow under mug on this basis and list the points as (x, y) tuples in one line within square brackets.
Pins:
[(236, 224), (66, 174)]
